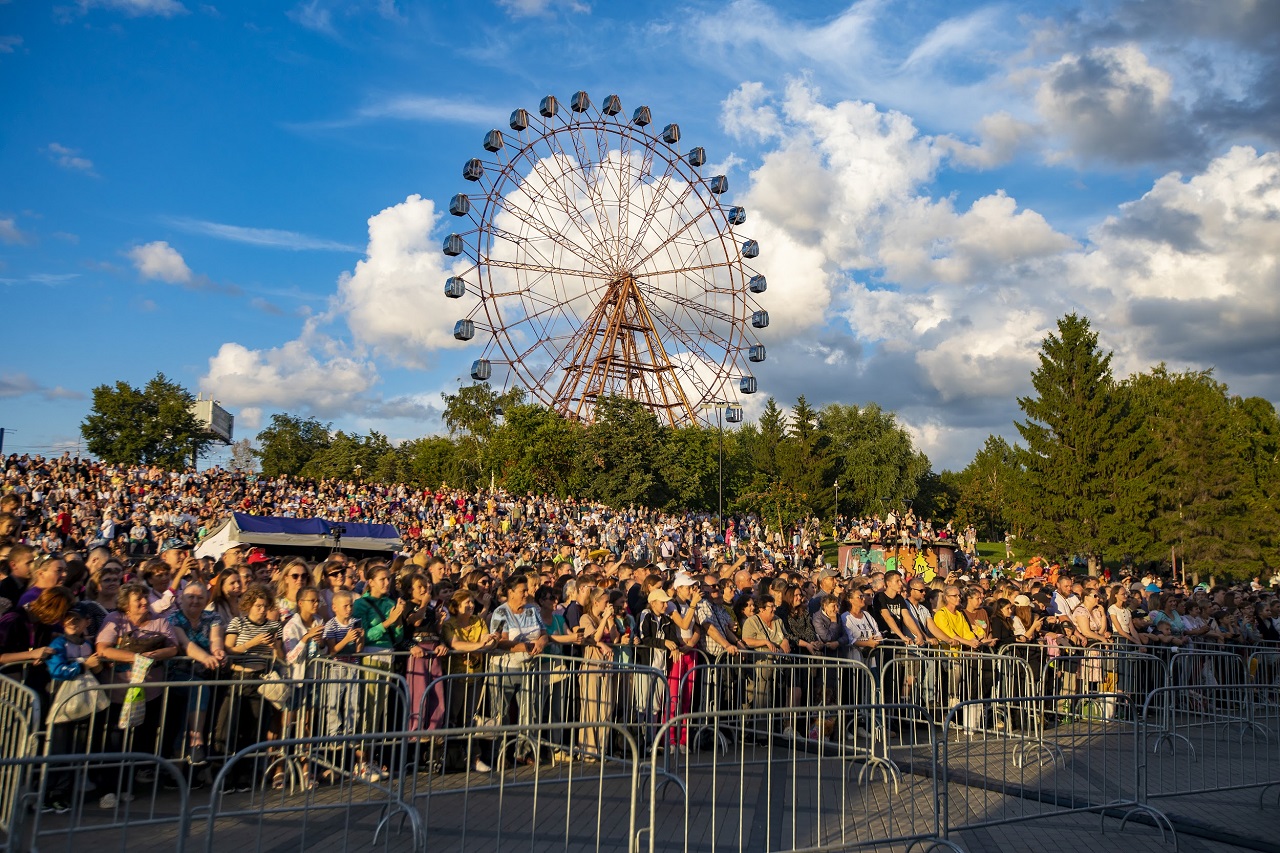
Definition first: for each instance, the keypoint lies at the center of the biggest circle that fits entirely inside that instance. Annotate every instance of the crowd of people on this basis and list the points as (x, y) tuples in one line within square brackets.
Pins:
[(99, 578)]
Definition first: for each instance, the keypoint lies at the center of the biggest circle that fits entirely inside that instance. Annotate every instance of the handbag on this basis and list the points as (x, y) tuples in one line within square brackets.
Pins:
[(273, 687), (77, 698)]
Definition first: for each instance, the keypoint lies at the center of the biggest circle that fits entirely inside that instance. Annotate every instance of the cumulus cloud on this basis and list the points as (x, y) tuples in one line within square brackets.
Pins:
[(1112, 105), (1196, 266), (312, 374), (159, 261), (1001, 137), (393, 301)]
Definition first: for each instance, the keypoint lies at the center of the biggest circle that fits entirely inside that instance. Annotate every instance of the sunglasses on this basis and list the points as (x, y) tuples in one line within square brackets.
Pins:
[(336, 574)]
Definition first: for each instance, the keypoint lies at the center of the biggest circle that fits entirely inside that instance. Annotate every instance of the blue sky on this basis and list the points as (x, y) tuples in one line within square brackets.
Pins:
[(248, 196)]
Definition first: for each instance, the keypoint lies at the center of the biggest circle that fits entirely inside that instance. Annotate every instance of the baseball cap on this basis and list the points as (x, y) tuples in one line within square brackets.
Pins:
[(1021, 601), (685, 580), (658, 594), (257, 555)]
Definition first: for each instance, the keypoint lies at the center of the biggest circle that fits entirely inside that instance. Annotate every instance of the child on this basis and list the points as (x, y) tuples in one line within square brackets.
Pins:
[(344, 638), (72, 655)]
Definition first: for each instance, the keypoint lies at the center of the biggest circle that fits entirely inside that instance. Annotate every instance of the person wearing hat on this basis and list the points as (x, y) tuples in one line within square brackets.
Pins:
[(657, 640), (826, 587), (681, 607), (1026, 625)]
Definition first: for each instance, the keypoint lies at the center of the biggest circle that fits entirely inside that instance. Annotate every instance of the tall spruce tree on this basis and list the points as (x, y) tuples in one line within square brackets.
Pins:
[(1068, 431)]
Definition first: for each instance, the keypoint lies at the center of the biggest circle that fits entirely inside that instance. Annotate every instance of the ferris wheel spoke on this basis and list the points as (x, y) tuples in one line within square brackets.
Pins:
[(690, 305), (591, 182), (565, 208), (651, 212), (520, 265), (554, 184), (554, 235)]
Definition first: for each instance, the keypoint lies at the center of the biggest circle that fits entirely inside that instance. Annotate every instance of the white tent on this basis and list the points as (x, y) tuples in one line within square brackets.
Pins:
[(298, 533)]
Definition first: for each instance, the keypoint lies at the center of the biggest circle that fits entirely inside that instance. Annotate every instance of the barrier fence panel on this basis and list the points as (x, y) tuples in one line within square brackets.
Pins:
[(941, 679), (1207, 738), (766, 791), (351, 795), (1086, 762), (765, 681), (1121, 672), (545, 689), (199, 722), (1264, 670), (550, 799), (19, 721), (148, 815)]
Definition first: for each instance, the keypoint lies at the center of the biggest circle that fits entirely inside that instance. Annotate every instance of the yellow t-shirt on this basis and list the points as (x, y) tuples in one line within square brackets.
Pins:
[(953, 624)]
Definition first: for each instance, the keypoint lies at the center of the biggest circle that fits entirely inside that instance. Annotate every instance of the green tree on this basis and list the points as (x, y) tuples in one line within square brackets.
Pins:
[(153, 425), (620, 446), (289, 443), (1068, 430), (988, 487), (872, 456)]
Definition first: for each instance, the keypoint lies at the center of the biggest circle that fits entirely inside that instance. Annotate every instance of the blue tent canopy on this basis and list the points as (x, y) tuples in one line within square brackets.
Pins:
[(298, 533)]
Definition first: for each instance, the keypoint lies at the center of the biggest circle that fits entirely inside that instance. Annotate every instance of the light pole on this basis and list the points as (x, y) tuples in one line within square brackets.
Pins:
[(719, 405), (837, 484)]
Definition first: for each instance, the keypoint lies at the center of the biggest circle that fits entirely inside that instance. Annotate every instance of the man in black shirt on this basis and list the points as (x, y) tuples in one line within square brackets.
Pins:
[(887, 608)]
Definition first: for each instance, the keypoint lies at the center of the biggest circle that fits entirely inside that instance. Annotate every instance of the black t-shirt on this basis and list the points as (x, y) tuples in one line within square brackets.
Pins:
[(12, 590), (894, 605)]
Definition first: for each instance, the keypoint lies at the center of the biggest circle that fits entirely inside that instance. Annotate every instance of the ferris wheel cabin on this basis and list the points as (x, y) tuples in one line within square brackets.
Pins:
[(747, 385), (455, 288), (464, 330)]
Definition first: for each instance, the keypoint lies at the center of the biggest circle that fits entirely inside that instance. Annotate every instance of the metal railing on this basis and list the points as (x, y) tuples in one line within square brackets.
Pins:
[(19, 722)]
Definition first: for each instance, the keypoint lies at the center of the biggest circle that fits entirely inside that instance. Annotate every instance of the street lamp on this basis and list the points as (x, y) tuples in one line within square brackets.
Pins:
[(719, 406)]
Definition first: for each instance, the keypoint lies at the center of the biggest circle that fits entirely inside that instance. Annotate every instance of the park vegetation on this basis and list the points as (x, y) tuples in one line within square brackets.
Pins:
[(1117, 469)]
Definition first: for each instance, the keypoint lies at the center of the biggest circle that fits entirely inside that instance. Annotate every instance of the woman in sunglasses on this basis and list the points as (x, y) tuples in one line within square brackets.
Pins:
[(294, 578)]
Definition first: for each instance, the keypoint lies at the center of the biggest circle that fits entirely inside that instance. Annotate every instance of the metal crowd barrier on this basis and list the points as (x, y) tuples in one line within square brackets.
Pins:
[(764, 681), (775, 793), (1126, 676), (230, 715), (940, 679), (151, 815), (1088, 763), (542, 694), (555, 800), (19, 722), (1211, 747), (349, 794)]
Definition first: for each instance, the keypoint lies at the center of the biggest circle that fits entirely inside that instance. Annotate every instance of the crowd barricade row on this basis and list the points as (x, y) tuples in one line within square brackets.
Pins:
[(768, 791), (1090, 763)]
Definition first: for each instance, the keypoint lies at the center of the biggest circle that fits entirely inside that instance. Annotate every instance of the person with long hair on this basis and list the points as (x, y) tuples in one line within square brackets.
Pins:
[(596, 680), (224, 595), (295, 576)]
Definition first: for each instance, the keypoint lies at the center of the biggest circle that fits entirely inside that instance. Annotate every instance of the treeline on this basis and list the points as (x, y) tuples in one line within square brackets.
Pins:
[(1130, 468), (784, 466)]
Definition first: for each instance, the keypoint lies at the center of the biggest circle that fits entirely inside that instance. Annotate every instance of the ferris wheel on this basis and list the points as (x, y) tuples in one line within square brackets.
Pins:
[(605, 264)]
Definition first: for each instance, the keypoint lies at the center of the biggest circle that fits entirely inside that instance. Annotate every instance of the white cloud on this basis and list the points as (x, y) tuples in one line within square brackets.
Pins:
[(530, 8), (1000, 136), (161, 262), (8, 44), (311, 374), (271, 237), (138, 8), (394, 300), (14, 385), (1112, 104), (69, 158), (11, 234), (431, 108)]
